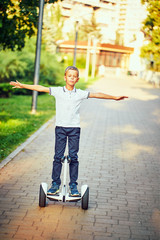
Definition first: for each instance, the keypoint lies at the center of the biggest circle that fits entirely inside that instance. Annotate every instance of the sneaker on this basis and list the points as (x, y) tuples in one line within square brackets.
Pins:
[(54, 189), (73, 190)]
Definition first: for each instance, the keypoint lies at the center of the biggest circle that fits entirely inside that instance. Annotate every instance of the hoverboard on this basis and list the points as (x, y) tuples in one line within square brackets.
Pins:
[(64, 196)]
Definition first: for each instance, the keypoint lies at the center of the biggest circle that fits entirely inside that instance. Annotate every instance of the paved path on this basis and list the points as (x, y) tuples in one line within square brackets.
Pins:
[(119, 159)]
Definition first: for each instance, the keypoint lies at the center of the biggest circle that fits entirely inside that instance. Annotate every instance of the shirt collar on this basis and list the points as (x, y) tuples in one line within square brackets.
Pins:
[(66, 90)]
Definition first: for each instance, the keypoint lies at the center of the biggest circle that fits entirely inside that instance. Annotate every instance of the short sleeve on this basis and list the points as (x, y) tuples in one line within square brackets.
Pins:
[(83, 94), (53, 91)]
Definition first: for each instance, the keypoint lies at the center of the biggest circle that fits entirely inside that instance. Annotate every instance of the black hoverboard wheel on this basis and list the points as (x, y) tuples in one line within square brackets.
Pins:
[(42, 197), (85, 199)]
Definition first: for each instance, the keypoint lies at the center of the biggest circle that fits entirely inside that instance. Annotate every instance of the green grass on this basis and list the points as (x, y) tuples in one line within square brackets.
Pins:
[(16, 121)]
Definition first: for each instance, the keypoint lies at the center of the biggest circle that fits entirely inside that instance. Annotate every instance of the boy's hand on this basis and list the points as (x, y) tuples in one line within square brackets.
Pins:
[(120, 98), (16, 84)]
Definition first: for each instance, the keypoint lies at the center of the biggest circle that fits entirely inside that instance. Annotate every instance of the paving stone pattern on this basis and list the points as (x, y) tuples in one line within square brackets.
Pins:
[(119, 160)]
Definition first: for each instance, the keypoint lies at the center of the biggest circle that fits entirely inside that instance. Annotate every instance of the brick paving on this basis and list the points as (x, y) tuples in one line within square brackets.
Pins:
[(119, 160)]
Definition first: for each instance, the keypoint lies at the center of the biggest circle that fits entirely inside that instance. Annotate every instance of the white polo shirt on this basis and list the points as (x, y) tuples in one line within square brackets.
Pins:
[(68, 105)]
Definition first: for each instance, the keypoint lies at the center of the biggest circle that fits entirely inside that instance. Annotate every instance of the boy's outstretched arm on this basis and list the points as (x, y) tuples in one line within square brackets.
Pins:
[(38, 88), (106, 96)]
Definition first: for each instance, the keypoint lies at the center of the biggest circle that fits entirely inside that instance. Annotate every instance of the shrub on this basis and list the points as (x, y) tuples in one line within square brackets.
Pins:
[(5, 90), (19, 65)]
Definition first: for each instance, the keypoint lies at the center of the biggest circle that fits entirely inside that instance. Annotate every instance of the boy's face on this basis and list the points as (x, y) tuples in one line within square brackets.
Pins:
[(71, 77)]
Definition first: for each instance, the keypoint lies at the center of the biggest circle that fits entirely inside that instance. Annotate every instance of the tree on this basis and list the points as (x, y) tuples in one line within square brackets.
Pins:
[(87, 27), (151, 29), (18, 19), (52, 25), (91, 28)]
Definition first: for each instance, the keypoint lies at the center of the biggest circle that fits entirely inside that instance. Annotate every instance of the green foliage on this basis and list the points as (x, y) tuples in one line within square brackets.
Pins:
[(150, 51), (151, 28), (18, 19), (51, 71), (5, 90), (52, 25), (10, 66), (80, 61), (19, 65)]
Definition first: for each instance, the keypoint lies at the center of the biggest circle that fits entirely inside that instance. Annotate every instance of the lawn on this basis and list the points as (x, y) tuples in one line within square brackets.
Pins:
[(16, 121)]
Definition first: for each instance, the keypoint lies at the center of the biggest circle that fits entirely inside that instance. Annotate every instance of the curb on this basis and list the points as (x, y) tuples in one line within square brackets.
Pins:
[(23, 145)]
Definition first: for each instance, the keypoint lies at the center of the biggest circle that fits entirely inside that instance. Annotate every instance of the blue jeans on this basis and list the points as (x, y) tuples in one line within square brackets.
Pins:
[(61, 136)]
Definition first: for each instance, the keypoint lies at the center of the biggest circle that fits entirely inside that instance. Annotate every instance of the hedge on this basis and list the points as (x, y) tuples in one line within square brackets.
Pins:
[(6, 90)]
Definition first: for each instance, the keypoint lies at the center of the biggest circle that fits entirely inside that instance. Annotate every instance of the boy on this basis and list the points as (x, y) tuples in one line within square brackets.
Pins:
[(68, 100)]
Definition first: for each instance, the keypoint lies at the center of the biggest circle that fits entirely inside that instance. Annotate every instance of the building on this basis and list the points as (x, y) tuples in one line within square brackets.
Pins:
[(105, 14), (107, 55), (120, 19), (130, 16), (120, 23)]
